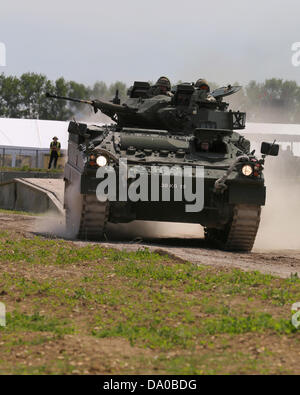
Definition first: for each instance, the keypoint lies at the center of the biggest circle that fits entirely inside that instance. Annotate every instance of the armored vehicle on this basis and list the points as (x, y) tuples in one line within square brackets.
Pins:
[(154, 134)]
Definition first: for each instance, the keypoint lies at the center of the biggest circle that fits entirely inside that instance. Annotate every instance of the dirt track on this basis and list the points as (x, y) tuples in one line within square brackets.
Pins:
[(282, 263)]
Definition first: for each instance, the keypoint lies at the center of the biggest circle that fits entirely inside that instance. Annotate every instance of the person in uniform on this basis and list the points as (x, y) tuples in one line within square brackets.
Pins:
[(54, 152), (162, 87), (202, 92)]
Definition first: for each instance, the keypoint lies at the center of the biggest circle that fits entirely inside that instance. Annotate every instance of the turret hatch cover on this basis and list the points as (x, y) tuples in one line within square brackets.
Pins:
[(225, 91)]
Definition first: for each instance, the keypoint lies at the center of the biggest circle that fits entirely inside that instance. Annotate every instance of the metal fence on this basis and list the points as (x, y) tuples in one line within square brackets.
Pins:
[(26, 156)]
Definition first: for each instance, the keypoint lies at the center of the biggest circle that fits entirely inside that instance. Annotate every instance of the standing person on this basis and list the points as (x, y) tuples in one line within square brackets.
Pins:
[(54, 152)]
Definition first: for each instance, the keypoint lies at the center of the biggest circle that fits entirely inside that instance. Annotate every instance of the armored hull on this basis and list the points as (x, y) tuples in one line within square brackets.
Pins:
[(230, 217)]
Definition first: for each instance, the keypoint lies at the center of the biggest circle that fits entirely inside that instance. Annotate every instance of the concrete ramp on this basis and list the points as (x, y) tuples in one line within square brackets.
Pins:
[(34, 195)]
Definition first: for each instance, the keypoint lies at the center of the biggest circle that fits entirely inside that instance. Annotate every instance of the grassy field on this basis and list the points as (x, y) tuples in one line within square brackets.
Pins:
[(29, 169), (82, 309), (17, 212)]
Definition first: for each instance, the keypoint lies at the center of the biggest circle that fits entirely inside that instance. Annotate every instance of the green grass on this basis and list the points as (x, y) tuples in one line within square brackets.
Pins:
[(166, 308), (29, 169), (18, 322), (2, 211)]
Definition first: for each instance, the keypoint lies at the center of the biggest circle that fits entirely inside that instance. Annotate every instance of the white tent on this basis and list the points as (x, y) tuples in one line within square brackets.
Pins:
[(32, 133), (273, 128), (284, 134)]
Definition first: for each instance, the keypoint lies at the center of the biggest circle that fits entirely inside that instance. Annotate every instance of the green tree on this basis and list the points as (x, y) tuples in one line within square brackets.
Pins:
[(274, 100), (121, 87), (57, 109), (99, 90), (10, 99), (32, 88), (77, 91)]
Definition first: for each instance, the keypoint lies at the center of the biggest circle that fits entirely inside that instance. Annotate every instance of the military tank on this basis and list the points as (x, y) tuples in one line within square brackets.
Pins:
[(180, 129)]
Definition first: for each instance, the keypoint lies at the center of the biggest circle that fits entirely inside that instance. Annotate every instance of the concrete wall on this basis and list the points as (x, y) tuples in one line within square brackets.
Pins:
[(21, 195), (8, 196), (6, 176), (29, 199)]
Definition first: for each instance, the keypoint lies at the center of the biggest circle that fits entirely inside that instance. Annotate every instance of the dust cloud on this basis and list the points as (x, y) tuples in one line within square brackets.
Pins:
[(54, 224), (280, 220), (92, 118), (50, 224), (145, 229)]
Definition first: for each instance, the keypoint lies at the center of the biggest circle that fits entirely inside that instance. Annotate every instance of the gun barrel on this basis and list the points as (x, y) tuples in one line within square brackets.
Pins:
[(107, 108), (69, 99)]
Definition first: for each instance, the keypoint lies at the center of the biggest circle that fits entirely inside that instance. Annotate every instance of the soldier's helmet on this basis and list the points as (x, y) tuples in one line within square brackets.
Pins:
[(164, 82), (201, 83)]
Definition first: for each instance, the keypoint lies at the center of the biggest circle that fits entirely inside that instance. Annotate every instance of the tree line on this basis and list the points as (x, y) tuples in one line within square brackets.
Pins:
[(25, 97), (274, 100)]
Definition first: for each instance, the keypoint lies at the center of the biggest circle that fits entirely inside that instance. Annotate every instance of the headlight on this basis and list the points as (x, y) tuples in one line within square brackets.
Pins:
[(101, 161), (247, 170)]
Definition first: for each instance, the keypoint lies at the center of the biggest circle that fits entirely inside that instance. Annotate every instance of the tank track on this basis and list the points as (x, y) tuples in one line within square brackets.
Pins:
[(94, 217), (239, 234)]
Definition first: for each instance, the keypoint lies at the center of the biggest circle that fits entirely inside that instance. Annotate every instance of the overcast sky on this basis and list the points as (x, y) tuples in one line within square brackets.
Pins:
[(221, 40)]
